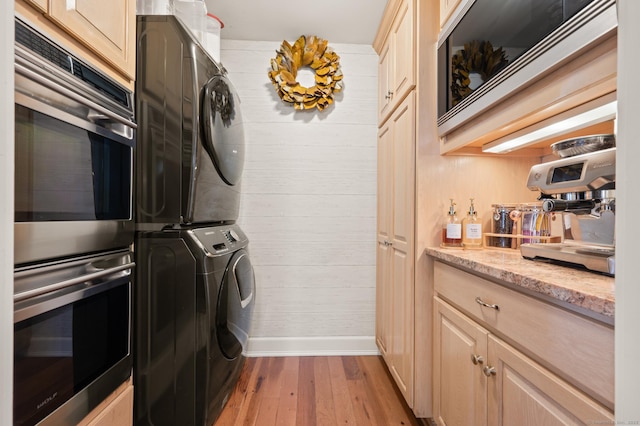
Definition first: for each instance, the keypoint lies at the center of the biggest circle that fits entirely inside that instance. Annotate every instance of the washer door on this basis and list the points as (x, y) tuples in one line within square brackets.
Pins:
[(222, 127), (235, 305)]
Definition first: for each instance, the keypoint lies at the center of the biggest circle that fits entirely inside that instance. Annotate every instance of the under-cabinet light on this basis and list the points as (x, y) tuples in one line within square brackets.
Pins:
[(563, 123)]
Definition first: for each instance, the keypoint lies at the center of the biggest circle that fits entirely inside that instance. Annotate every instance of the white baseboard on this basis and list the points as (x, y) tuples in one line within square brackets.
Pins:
[(311, 346)]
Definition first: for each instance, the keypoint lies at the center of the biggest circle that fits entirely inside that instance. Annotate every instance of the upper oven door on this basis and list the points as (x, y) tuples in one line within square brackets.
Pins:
[(74, 144)]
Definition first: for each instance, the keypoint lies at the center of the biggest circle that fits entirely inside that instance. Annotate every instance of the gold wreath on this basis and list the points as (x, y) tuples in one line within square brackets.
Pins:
[(307, 51), (477, 56)]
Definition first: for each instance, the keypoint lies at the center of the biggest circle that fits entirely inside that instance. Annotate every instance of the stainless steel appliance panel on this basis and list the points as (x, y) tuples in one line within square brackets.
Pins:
[(74, 142), (579, 189), (585, 172), (72, 336), (495, 48)]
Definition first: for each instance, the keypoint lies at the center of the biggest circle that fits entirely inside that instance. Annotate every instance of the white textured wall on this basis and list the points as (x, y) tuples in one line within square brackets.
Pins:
[(309, 205)]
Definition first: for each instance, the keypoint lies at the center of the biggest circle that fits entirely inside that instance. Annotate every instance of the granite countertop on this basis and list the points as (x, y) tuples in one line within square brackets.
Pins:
[(582, 289)]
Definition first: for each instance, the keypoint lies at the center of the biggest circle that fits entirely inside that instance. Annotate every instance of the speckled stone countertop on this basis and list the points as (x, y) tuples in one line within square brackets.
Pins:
[(582, 289)]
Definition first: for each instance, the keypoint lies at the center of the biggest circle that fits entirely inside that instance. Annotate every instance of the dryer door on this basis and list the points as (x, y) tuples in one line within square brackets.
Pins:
[(235, 305), (223, 130)]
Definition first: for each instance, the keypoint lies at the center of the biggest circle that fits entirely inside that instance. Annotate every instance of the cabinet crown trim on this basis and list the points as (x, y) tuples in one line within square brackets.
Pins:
[(390, 11)]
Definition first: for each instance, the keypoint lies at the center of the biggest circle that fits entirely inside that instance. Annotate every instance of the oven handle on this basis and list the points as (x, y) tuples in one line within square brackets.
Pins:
[(64, 91), (68, 283)]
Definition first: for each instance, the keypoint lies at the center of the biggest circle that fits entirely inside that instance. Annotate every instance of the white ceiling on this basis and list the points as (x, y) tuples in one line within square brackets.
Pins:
[(337, 21)]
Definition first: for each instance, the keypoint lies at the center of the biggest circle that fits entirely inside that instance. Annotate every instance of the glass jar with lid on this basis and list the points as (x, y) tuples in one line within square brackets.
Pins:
[(535, 222), (502, 222)]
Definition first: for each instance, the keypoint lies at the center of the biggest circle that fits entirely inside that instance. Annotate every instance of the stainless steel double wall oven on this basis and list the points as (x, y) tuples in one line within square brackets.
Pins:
[(74, 143)]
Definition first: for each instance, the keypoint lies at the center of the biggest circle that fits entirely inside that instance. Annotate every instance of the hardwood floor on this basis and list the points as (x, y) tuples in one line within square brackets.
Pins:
[(308, 391)]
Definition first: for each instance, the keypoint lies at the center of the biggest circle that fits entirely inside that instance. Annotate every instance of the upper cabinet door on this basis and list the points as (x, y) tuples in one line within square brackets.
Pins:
[(384, 82), (404, 45), (396, 66), (108, 28)]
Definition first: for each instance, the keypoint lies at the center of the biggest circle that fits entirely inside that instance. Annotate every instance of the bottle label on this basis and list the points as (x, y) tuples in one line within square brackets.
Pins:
[(454, 230), (474, 231)]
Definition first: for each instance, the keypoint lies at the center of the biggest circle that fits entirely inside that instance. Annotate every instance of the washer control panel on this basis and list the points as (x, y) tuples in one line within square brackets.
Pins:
[(219, 239)]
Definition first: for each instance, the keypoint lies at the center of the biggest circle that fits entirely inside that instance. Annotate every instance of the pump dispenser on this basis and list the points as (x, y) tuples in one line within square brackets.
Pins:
[(472, 229), (451, 228)]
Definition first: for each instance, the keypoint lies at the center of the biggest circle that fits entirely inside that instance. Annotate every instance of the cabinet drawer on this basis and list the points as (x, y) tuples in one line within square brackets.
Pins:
[(576, 348)]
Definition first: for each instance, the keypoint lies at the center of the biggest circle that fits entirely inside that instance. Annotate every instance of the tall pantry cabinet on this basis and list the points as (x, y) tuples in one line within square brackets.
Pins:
[(395, 44)]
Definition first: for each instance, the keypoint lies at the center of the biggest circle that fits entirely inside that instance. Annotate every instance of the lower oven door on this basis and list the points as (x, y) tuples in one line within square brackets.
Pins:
[(72, 337)]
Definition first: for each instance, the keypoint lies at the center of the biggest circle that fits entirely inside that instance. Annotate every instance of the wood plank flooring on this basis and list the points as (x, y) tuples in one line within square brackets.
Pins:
[(310, 391)]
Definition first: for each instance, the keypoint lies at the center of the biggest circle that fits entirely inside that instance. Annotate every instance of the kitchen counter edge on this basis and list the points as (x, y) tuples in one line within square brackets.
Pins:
[(588, 293)]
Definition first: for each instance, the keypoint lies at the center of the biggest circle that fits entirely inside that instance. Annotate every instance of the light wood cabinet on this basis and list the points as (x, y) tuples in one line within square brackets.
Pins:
[(384, 253), (395, 293), (460, 345), (115, 410), (43, 5), (446, 9), (385, 70), (524, 393), (101, 33), (395, 242), (579, 349), (480, 379), (396, 66), (108, 28)]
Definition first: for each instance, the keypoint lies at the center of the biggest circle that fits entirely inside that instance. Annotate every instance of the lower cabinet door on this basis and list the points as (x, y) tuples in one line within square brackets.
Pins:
[(521, 392), (481, 380), (460, 352)]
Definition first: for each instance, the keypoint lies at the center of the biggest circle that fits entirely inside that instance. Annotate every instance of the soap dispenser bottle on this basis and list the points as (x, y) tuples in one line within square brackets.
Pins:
[(451, 228), (472, 229)]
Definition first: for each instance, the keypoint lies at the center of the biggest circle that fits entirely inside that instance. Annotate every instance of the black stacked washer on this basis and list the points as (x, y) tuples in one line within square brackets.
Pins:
[(194, 298)]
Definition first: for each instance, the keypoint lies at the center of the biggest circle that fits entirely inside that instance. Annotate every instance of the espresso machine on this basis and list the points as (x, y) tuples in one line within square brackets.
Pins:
[(580, 189)]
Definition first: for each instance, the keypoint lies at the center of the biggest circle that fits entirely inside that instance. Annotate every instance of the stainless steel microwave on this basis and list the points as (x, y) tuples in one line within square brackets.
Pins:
[(493, 48), (74, 142)]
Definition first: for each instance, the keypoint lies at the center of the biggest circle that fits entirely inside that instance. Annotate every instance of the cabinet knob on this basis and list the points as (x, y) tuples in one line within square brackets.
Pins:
[(477, 359), (489, 371), (487, 305), (389, 94)]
